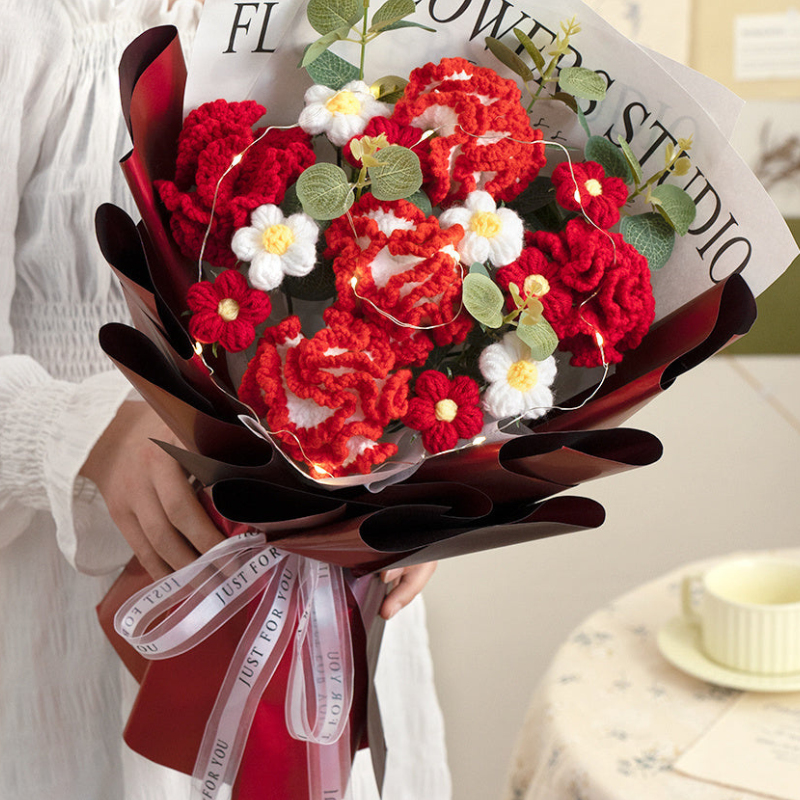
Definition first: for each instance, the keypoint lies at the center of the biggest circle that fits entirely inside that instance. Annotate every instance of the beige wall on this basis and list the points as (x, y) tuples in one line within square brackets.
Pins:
[(712, 45)]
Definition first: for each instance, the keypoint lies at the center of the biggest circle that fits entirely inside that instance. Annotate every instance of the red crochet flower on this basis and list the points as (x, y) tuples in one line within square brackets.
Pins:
[(444, 410), (226, 311), (403, 135), (482, 134), (534, 274), (211, 137), (328, 398), (586, 186), (401, 270), (597, 283)]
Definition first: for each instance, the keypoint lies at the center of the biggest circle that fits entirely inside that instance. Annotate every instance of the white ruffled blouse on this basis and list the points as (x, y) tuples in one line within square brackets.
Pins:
[(61, 133)]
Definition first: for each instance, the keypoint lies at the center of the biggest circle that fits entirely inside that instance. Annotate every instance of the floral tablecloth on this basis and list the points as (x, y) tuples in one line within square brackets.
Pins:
[(611, 715)]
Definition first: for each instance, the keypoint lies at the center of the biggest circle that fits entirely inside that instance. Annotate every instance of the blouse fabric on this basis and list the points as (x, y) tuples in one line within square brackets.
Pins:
[(61, 685)]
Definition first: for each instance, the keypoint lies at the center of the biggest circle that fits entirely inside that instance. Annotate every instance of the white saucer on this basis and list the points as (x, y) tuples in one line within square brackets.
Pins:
[(679, 643)]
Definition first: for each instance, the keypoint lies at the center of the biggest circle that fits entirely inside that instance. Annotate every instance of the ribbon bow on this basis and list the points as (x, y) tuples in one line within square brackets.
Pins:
[(299, 596)]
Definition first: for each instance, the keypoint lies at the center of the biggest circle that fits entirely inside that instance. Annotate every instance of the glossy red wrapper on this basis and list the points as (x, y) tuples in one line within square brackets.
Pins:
[(483, 497)]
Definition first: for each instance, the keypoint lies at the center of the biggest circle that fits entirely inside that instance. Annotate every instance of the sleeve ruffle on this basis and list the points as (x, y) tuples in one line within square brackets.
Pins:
[(49, 429)]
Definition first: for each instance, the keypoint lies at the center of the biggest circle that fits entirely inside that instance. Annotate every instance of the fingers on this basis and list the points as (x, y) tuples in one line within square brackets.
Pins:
[(142, 548), (147, 492), (410, 582), (185, 513)]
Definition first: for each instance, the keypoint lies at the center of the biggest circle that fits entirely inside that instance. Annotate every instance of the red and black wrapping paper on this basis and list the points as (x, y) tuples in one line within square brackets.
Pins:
[(483, 497)]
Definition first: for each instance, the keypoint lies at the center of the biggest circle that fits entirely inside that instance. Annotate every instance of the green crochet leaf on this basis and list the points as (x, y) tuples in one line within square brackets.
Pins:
[(582, 83)]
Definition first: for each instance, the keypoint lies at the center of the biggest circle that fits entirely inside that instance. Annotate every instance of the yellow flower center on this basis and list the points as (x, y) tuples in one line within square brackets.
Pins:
[(536, 286), (486, 224), (446, 410), (228, 309), (593, 187), (343, 103), (522, 376), (277, 239)]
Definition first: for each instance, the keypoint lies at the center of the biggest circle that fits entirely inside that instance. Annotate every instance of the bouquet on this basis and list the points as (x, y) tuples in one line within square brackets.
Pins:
[(390, 324)]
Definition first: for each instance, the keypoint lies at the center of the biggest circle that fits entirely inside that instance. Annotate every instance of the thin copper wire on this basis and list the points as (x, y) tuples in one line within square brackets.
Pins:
[(237, 159)]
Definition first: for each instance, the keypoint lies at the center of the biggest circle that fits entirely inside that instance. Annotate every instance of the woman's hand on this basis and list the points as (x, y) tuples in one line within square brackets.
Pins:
[(409, 582), (147, 492)]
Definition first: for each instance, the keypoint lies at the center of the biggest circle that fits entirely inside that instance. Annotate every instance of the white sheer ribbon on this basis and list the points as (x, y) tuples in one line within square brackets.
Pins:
[(298, 595)]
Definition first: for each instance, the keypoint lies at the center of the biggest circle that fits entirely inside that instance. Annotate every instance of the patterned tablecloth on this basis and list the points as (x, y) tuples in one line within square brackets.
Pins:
[(611, 715)]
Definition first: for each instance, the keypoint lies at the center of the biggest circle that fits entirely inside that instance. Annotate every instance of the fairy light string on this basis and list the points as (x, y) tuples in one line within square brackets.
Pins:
[(502, 426)]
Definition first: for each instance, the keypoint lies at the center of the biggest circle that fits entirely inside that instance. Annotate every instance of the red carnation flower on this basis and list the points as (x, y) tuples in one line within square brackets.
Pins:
[(444, 410), (534, 274), (403, 135), (400, 269), (212, 136), (483, 137), (226, 311), (596, 284), (328, 398), (585, 186)]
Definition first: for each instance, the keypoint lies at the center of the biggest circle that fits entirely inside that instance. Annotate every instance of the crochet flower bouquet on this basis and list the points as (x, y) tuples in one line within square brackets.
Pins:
[(390, 326)]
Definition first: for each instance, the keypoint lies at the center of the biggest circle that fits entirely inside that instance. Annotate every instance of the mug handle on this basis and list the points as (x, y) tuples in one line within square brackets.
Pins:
[(687, 592)]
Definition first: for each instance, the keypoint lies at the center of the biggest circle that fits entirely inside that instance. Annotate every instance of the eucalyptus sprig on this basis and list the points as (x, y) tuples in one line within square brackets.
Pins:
[(573, 83), (390, 171), (347, 21), (673, 210), (484, 300)]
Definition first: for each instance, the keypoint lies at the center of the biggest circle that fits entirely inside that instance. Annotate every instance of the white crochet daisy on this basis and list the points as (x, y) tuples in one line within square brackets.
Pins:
[(341, 114), (519, 386), (490, 233), (276, 246)]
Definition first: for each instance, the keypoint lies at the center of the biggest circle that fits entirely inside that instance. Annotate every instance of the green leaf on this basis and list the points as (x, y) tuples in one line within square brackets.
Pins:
[(327, 16), (531, 49), (404, 23), (582, 120), (682, 166), (582, 83), (290, 204), (505, 55), (651, 235), (676, 206), (421, 201), (540, 338), (398, 175), (477, 268), (390, 12), (609, 157), (633, 162), (332, 71), (324, 191), (316, 49), (537, 194), (389, 88), (568, 100), (483, 299)]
